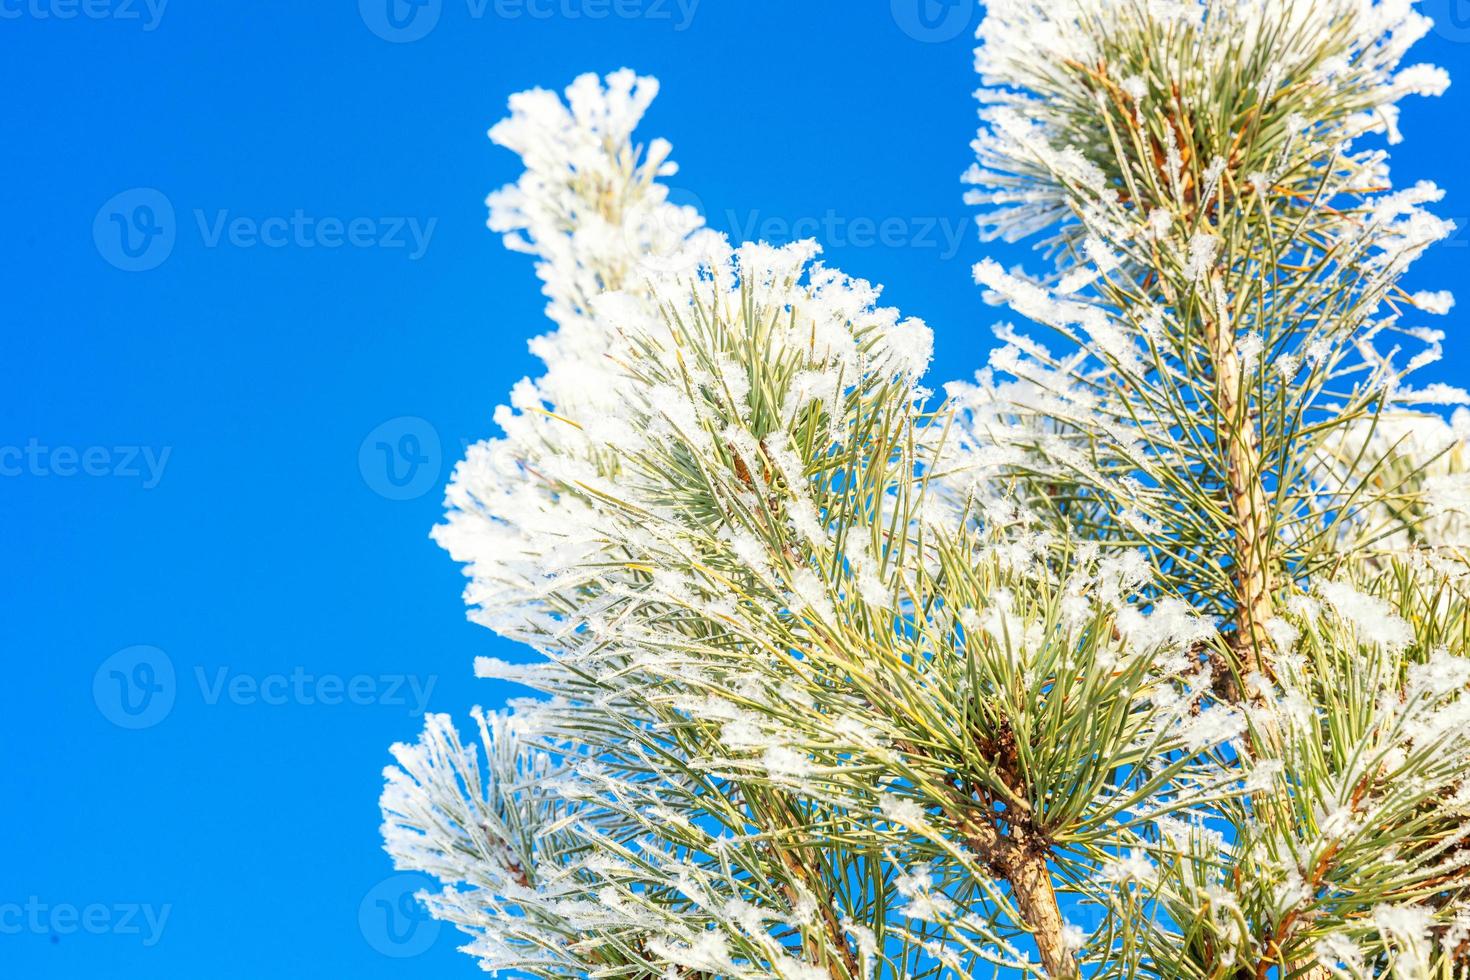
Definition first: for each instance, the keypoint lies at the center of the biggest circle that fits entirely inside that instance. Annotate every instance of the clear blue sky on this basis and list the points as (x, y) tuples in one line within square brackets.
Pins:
[(192, 451)]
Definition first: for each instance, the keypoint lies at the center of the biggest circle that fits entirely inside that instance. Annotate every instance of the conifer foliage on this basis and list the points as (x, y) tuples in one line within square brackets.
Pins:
[(1145, 653)]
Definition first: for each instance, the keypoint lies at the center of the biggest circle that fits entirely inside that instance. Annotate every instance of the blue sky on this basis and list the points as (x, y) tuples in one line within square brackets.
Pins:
[(225, 422)]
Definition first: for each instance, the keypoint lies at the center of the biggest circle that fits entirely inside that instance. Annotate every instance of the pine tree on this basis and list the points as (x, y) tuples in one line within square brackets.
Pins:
[(1146, 654)]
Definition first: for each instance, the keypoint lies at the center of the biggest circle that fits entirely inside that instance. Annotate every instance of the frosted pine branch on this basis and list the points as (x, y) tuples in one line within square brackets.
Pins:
[(1227, 267), (1144, 655)]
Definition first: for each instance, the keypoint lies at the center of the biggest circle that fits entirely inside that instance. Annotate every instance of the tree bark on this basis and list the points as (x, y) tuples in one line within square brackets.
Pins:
[(1030, 880), (1021, 862)]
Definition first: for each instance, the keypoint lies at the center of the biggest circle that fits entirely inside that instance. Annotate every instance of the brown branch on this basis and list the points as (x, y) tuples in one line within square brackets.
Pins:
[(846, 967), (1017, 857), (1020, 858)]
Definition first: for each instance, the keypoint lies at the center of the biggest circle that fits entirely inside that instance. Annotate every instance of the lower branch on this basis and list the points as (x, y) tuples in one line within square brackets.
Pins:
[(1021, 861), (1030, 880), (834, 954)]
